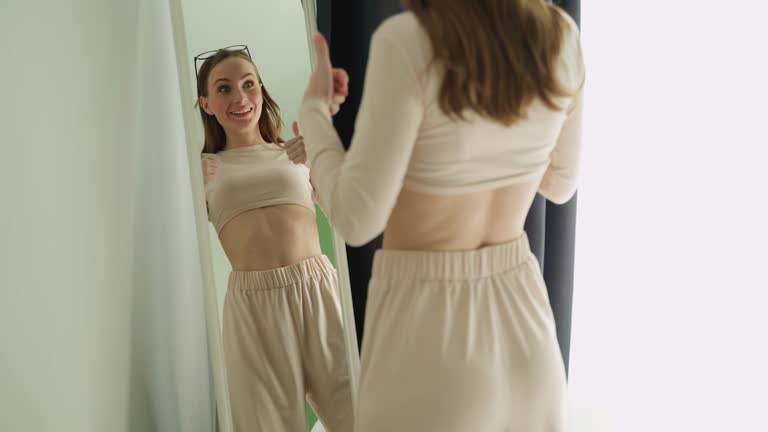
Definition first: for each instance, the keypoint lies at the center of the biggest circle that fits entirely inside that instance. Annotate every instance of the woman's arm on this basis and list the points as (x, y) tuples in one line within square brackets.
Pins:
[(358, 189), (559, 182)]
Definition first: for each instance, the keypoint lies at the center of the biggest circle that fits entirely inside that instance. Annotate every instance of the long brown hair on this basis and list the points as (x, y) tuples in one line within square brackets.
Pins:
[(270, 122), (498, 56)]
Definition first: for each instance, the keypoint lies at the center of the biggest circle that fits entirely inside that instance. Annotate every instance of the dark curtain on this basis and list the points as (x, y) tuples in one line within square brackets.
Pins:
[(550, 227), (350, 30)]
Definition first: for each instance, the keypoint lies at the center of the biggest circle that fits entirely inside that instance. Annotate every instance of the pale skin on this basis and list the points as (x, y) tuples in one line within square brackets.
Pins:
[(269, 237), (428, 222)]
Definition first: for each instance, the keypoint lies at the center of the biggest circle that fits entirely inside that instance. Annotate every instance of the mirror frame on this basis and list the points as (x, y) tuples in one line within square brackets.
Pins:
[(339, 245), (223, 415)]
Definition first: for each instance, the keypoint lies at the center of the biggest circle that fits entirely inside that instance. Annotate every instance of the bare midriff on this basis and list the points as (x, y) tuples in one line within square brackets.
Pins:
[(270, 237)]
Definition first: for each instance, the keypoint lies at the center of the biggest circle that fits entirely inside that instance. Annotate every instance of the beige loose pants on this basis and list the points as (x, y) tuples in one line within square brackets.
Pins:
[(460, 342), (283, 344)]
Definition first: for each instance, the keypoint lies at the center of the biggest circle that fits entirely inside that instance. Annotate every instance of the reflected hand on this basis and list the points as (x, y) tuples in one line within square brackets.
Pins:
[(210, 166), (340, 89), (327, 83), (295, 147)]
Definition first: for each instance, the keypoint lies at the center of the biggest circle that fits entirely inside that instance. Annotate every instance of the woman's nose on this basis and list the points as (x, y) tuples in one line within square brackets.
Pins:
[(238, 95)]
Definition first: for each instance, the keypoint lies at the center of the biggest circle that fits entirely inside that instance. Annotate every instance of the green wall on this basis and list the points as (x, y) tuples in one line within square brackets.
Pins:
[(326, 236)]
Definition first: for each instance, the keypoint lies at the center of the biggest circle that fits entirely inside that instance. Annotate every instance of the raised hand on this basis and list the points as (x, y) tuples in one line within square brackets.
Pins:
[(210, 166), (295, 147), (329, 84)]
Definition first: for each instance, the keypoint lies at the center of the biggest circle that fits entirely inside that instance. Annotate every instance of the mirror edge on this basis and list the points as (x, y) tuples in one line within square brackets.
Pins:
[(222, 415), (339, 246)]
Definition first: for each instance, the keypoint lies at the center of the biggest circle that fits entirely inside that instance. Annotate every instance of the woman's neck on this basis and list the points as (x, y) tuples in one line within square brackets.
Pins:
[(244, 139)]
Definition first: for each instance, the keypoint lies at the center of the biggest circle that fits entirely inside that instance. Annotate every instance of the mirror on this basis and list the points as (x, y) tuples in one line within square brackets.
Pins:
[(282, 341)]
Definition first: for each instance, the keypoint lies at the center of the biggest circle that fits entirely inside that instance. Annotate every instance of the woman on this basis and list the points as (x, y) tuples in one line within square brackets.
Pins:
[(469, 108), (282, 325)]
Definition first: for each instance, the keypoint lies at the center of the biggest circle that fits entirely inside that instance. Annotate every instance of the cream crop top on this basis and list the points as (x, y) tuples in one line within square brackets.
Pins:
[(403, 140), (253, 177)]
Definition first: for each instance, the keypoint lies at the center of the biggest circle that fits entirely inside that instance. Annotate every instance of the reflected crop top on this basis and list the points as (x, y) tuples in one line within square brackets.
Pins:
[(403, 140), (253, 177)]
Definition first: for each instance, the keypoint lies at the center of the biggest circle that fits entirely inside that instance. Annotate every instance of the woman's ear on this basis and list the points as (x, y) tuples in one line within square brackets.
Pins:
[(205, 106)]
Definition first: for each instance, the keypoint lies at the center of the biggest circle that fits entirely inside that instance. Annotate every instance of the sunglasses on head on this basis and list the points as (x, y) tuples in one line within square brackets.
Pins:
[(202, 57)]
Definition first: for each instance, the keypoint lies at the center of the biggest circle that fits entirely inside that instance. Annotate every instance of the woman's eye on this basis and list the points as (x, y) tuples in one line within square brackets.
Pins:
[(223, 89), (248, 84)]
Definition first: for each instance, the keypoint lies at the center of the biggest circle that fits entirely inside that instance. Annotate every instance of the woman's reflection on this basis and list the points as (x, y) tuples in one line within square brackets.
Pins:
[(282, 326)]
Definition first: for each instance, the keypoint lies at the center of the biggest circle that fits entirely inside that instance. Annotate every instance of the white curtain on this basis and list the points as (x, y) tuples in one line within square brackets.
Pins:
[(101, 308), (669, 314)]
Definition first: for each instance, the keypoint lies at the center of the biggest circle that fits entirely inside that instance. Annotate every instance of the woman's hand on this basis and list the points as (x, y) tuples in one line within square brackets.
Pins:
[(210, 165), (329, 84), (295, 147)]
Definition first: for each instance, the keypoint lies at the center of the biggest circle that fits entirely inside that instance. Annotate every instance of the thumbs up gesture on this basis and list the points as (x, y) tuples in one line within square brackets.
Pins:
[(329, 84), (295, 147)]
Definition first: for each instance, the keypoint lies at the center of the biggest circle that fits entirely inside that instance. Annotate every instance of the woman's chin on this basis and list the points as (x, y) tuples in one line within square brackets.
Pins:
[(242, 125)]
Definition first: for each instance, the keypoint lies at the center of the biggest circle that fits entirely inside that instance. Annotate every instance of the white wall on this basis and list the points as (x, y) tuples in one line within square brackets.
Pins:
[(275, 33), (101, 317), (670, 300)]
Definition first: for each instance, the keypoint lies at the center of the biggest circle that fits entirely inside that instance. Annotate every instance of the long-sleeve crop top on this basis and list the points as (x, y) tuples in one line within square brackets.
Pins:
[(403, 140), (253, 177)]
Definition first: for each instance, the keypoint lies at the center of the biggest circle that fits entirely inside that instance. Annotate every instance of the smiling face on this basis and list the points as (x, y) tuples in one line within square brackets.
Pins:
[(234, 95)]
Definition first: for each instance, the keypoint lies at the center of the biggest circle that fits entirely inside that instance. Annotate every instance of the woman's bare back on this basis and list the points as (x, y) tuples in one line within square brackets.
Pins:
[(469, 221)]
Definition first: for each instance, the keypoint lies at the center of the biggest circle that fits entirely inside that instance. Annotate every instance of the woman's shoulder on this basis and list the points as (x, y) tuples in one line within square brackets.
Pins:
[(570, 23), (404, 31), (572, 55), (399, 26)]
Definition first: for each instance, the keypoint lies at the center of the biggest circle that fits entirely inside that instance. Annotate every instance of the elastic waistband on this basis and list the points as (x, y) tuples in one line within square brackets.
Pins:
[(283, 276), (452, 265)]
